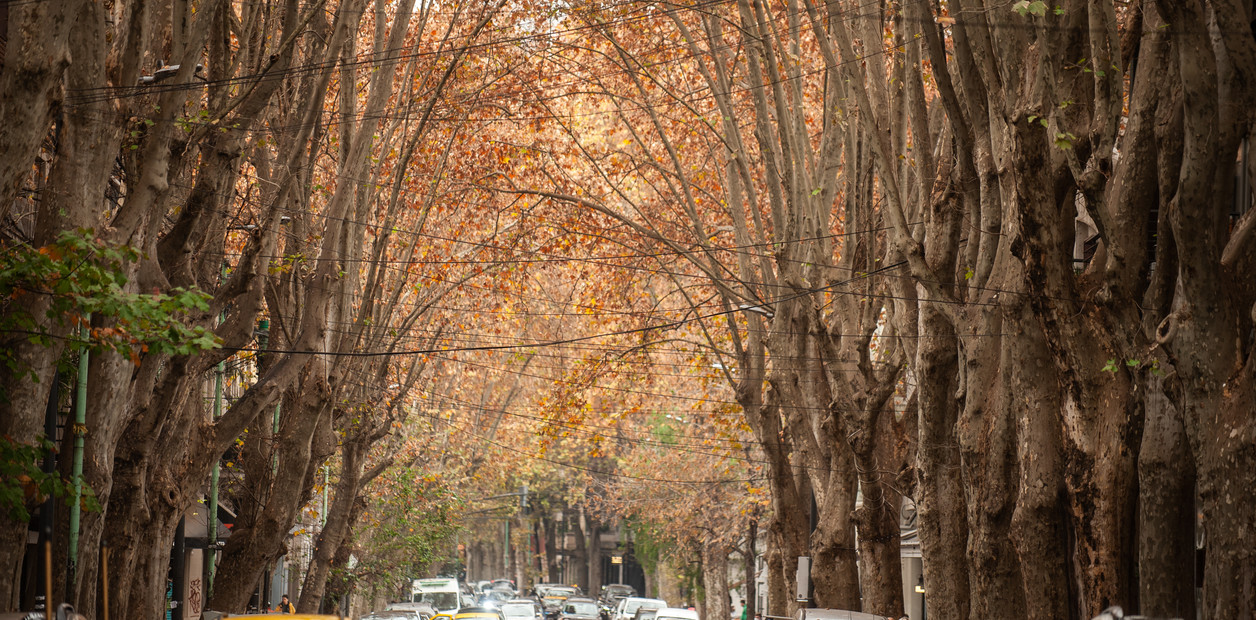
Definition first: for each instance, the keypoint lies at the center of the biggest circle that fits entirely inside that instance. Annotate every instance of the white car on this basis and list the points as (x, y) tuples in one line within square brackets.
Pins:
[(520, 609), (676, 613), (628, 607)]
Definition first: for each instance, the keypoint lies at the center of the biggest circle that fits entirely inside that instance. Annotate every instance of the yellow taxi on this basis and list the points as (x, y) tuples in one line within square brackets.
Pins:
[(473, 613)]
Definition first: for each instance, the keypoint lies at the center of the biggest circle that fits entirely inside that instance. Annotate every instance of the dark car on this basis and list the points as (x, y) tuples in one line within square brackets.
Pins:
[(577, 608), (553, 597), (616, 591), (611, 595)]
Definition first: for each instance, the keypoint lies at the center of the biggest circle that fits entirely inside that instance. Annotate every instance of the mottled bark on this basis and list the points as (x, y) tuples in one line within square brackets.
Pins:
[(780, 575), (1038, 528), (1166, 511), (579, 560), (550, 531), (940, 505), (36, 55), (715, 580), (987, 440)]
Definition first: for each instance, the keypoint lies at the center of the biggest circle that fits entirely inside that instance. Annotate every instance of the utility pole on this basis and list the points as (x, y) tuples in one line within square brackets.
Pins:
[(80, 431), (47, 511), (211, 519)]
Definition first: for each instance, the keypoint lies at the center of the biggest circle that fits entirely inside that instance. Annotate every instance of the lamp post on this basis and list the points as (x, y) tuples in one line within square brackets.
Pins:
[(211, 517)]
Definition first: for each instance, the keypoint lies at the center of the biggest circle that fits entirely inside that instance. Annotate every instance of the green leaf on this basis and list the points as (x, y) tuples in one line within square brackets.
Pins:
[(1110, 366), (1025, 8), (968, 273)]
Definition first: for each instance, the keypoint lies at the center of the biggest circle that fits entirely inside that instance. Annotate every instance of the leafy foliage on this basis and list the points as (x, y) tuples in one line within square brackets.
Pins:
[(407, 526), (49, 291), (80, 276), (23, 483)]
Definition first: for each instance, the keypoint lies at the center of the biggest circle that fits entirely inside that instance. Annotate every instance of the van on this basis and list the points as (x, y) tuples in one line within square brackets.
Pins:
[(445, 594)]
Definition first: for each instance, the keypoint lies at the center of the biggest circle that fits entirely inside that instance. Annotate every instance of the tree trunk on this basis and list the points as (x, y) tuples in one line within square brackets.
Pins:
[(715, 581), (579, 561), (1227, 490), (258, 541), (940, 506), (35, 57), (782, 570), (335, 530), (834, 573), (1166, 514), (553, 571), (751, 556), (594, 532), (877, 521), (1038, 528), (987, 439)]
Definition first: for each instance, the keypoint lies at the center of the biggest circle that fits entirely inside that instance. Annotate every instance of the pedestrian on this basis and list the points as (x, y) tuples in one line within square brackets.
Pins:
[(285, 606)]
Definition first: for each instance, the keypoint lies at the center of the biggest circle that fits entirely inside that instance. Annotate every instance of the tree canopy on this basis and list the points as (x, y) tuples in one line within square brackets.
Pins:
[(436, 285)]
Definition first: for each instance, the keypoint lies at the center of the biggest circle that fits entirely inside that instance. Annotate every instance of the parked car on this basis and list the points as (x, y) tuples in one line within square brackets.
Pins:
[(521, 609), (675, 613), (477, 613), (553, 597), (835, 614), (494, 598), (579, 608), (611, 595), (628, 606), (395, 614), (416, 610), (445, 595), (538, 589), (217, 615), (615, 592)]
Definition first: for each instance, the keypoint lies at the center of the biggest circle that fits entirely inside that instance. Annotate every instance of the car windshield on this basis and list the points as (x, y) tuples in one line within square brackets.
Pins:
[(581, 609), (518, 610), (631, 607), (443, 601), (563, 592)]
